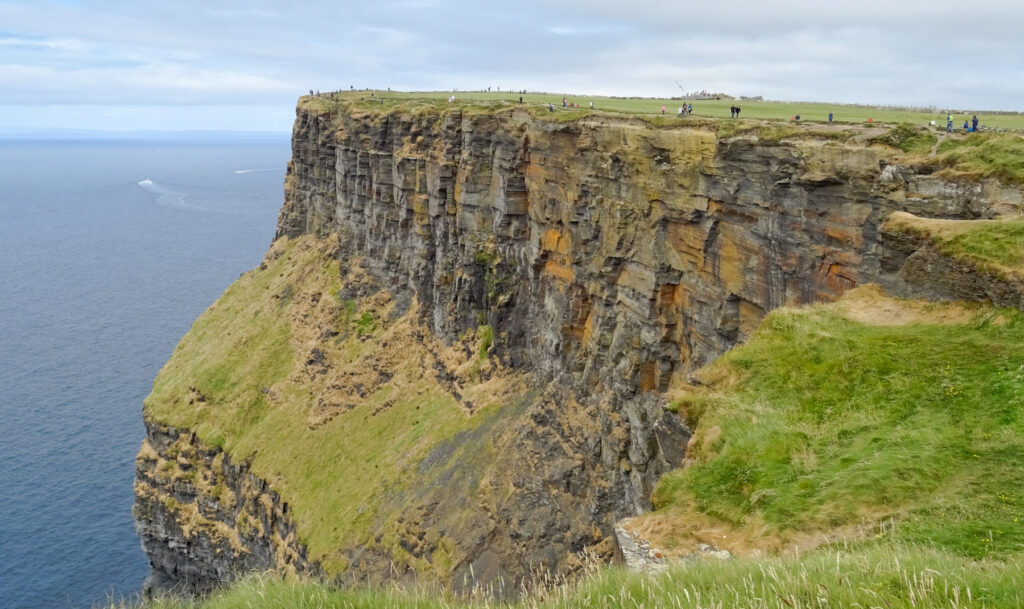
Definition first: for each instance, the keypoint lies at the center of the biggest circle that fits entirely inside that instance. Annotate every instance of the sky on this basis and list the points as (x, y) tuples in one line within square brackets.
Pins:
[(229, 65)]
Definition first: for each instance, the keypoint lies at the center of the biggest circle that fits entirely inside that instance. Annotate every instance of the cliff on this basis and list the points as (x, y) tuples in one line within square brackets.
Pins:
[(452, 363)]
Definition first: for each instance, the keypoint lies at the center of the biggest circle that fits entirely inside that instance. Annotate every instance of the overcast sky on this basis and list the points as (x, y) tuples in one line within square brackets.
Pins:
[(204, 64)]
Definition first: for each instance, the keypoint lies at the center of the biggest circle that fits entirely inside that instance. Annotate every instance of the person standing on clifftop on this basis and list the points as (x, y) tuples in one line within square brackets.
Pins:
[(830, 118), (663, 110), (737, 111), (949, 123), (974, 123)]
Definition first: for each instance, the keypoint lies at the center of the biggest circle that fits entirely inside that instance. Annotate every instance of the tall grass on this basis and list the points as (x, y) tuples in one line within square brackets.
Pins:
[(986, 155), (832, 421), (891, 577)]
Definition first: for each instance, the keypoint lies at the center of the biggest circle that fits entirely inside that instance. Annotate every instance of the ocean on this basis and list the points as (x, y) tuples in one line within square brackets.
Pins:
[(109, 249)]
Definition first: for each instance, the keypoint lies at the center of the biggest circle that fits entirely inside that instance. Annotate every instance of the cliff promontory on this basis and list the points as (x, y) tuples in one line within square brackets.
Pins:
[(453, 361)]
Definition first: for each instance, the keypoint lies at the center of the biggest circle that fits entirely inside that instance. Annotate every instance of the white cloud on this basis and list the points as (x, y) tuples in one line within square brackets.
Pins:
[(875, 51)]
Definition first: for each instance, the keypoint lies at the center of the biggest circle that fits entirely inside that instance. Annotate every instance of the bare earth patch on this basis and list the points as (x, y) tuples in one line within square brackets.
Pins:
[(869, 305)]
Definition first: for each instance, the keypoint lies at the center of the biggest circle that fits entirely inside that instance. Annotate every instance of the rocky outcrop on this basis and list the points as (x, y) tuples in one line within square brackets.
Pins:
[(204, 520), (917, 266), (607, 256)]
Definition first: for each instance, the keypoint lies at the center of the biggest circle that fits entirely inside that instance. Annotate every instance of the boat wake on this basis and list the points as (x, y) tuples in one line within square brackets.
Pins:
[(167, 197), (254, 170)]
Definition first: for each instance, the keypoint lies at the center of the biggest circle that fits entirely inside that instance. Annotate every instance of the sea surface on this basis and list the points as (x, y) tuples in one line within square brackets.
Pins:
[(109, 249)]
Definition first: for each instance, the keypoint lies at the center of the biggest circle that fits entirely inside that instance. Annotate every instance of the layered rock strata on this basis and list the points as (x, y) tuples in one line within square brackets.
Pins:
[(204, 520), (609, 257)]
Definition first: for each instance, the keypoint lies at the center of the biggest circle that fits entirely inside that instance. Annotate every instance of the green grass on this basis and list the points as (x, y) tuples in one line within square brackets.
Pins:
[(889, 576), (998, 243), (908, 138), (479, 101), (985, 155), (995, 246), (833, 422)]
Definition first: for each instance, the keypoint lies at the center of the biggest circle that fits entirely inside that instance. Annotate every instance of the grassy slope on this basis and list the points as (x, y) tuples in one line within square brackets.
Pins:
[(246, 355), (815, 112), (864, 411), (985, 155), (821, 422)]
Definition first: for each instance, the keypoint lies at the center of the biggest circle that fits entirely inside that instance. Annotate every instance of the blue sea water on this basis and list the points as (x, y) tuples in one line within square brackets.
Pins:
[(108, 251)]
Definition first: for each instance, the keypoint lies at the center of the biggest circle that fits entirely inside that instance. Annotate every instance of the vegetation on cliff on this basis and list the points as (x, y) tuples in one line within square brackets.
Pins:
[(897, 424), (251, 378), (866, 415), (994, 246)]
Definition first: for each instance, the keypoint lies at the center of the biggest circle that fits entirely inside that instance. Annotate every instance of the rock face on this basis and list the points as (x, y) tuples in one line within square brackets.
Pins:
[(604, 248), (203, 520), (609, 257)]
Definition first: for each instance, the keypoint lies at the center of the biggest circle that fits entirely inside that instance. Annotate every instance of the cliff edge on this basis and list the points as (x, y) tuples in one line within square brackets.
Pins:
[(452, 362)]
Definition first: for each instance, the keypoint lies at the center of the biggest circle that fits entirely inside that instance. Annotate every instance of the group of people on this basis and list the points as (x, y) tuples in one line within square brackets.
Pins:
[(734, 111), (970, 127)]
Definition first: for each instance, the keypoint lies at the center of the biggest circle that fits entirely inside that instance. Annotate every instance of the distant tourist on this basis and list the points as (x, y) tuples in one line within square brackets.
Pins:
[(663, 110), (680, 110), (689, 110), (565, 103), (591, 105), (830, 118), (949, 123), (974, 123), (967, 126), (551, 107), (737, 111), (520, 99)]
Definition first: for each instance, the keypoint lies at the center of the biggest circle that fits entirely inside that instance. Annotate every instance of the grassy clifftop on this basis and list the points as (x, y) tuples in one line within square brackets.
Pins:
[(995, 246), (813, 112), (844, 419)]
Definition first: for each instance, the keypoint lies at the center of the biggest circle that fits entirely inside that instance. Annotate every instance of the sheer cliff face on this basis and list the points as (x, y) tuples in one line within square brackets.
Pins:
[(606, 249), (609, 258)]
